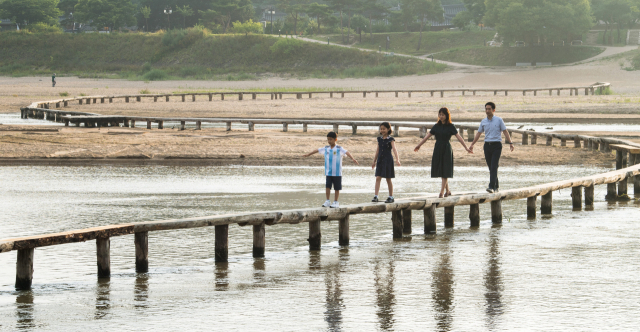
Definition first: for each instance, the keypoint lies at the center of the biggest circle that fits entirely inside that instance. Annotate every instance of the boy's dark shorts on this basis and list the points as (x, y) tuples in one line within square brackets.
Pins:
[(336, 181)]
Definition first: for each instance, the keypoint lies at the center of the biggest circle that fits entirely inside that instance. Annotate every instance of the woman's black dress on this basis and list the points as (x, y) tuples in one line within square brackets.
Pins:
[(384, 165), (442, 161)]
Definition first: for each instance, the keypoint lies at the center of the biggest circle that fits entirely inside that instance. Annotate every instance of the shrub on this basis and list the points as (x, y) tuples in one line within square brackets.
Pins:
[(635, 62), (145, 92), (156, 75), (64, 94), (182, 38), (146, 67), (247, 27), (286, 46), (42, 28), (606, 91)]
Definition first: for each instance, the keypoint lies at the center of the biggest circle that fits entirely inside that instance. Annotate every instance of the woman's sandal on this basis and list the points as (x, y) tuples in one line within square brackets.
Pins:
[(447, 194), (440, 196)]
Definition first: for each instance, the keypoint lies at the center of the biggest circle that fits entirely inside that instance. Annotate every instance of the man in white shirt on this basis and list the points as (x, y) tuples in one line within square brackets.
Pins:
[(493, 127)]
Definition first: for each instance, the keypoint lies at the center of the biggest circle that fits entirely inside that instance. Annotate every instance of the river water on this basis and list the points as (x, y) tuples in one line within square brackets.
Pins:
[(574, 270)]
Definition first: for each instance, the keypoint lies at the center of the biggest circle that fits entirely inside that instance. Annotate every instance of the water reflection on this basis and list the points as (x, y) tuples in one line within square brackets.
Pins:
[(141, 291), (314, 260), (385, 296), (259, 269), (103, 304), (222, 276), (442, 288), (493, 280), (24, 310), (334, 300)]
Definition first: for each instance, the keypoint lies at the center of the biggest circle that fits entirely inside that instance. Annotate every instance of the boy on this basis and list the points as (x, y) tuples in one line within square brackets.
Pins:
[(333, 155)]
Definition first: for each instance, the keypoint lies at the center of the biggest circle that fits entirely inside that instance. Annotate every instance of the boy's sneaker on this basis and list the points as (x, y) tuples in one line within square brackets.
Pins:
[(327, 203), (389, 199), (490, 190), (375, 199), (335, 205)]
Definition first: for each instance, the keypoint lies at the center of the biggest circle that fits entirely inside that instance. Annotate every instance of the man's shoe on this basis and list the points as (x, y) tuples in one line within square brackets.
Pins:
[(389, 199), (335, 205), (490, 190), (375, 199), (327, 203)]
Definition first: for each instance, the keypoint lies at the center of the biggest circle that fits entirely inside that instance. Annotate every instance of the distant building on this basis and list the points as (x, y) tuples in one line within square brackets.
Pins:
[(6, 24), (450, 11)]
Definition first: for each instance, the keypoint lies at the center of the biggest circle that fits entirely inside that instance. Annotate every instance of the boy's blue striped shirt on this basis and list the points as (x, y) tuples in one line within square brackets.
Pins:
[(332, 159)]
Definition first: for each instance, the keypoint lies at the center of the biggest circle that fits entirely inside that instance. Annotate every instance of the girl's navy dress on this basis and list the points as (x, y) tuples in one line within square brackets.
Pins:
[(384, 165), (442, 160)]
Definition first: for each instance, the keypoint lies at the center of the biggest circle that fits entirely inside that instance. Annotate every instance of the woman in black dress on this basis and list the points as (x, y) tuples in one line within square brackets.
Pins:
[(383, 160), (442, 160)]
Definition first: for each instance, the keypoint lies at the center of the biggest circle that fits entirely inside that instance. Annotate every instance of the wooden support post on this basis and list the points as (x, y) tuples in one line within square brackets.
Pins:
[(148, 124), (166, 98), (298, 95), (160, 124), (396, 130), (586, 91), (94, 100), (126, 100), (182, 125), (463, 92), (576, 142), (396, 94), (24, 269), (611, 191), (409, 94), (589, 195), (550, 92), (58, 105), (546, 204), (506, 93), (335, 128), (198, 125), (133, 124), (272, 96), (285, 127), (103, 246), (66, 103), (535, 92), (625, 159), (183, 98), (431, 93), (315, 237), (496, 212), (258, 240), (364, 94), (211, 96), (376, 94), (570, 92), (622, 188), (549, 141), (396, 220), (534, 139), (525, 139), (330, 94), (524, 92), (193, 97), (222, 96), (125, 123), (228, 126), (558, 92), (155, 99), (310, 95), (474, 215), (137, 99), (222, 244), (471, 133), (253, 96), (448, 216), (406, 221), (342, 95), (304, 127), (430, 219), (531, 207), (280, 94), (343, 231), (354, 129), (596, 145), (141, 240), (240, 95), (252, 126), (563, 142), (495, 92), (80, 101), (441, 94), (576, 197), (619, 159)]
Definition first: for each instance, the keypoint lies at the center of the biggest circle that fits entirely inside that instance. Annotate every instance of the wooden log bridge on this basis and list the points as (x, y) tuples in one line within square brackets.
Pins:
[(87, 100), (400, 222)]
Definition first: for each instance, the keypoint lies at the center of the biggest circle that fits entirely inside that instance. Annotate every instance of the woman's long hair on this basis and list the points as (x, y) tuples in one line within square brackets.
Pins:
[(446, 112)]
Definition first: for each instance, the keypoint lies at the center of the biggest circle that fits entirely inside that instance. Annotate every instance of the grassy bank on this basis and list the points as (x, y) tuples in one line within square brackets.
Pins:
[(192, 55), (407, 42), (509, 56)]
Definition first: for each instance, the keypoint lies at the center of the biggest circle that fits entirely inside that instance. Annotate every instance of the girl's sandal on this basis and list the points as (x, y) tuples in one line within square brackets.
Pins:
[(440, 196), (447, 194)]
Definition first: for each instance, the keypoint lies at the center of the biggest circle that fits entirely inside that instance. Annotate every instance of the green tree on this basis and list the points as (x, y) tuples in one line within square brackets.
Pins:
[(424, 10), (339, 6), (294, 8), (476, 8), (146, 12), (31, 11), (612, 12), (106, 13), (319, 11), (226, 11), (247, 27), (462, 20), (538, 21), (373, 9), (184, 11)]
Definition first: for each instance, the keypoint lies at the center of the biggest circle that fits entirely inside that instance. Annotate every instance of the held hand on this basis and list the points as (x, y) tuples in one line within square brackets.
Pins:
[(398, 163), (470, 151), (512, 148), (416, 149), (471, 148), (373, 165)]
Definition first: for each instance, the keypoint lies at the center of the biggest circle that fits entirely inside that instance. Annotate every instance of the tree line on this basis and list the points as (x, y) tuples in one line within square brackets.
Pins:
[(532, 21)]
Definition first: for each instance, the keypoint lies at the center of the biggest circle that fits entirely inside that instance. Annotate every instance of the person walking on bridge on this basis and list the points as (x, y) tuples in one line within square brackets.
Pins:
[(493, 127)]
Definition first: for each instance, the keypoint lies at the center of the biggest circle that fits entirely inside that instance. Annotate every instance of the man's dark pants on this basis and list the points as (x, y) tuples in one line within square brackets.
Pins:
[(492, 152)]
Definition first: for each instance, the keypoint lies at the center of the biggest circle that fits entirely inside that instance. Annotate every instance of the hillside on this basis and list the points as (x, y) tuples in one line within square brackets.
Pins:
[(192, 54)]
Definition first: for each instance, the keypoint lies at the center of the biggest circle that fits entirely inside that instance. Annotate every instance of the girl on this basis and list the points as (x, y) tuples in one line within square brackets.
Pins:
[(442, 160), (383, 161)]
